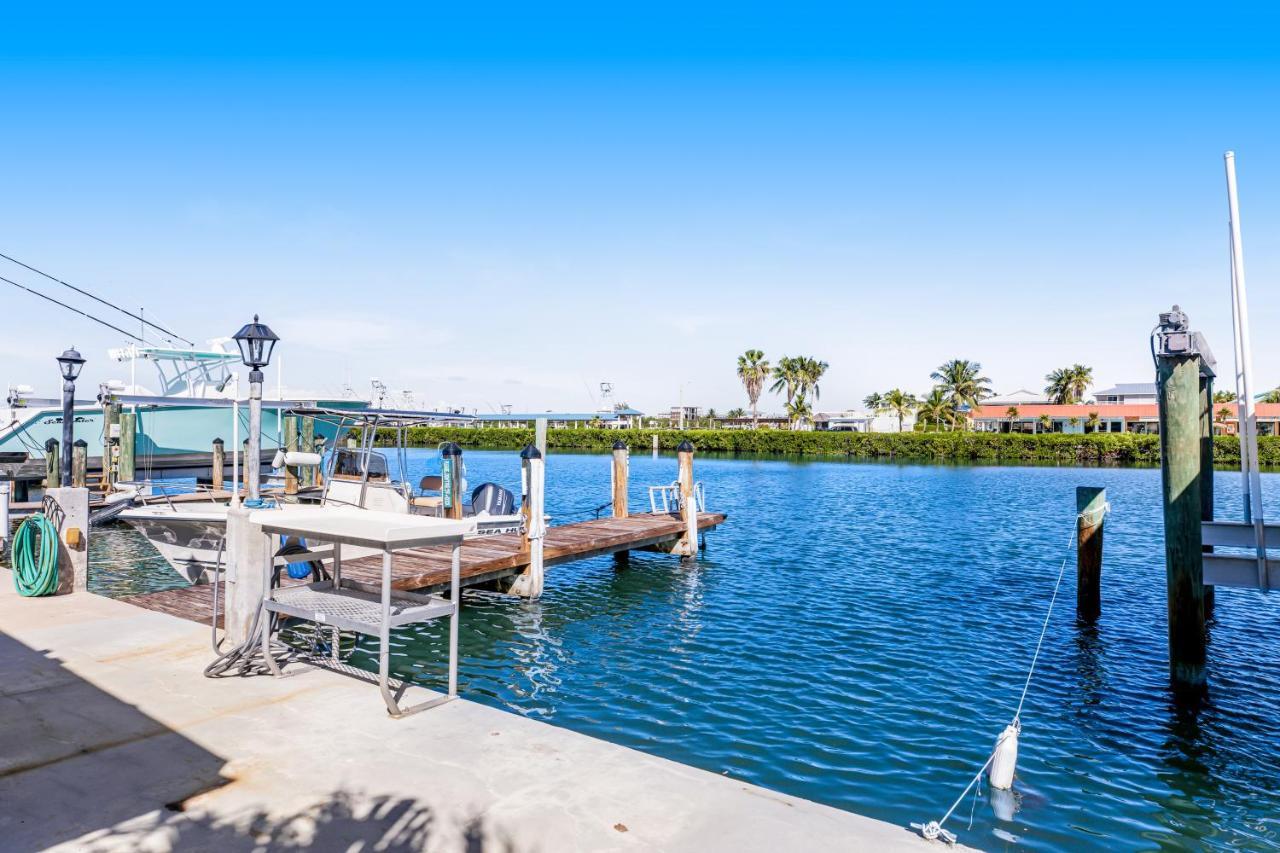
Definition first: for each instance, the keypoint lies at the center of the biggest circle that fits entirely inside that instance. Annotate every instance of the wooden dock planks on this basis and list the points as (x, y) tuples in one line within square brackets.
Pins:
[(483, 559)]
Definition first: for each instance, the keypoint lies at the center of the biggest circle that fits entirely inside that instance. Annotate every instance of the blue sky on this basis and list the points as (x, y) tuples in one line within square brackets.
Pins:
[(510, 208)]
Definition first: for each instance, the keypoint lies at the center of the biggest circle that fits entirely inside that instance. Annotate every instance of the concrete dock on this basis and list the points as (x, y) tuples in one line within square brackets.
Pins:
[(112, 739)]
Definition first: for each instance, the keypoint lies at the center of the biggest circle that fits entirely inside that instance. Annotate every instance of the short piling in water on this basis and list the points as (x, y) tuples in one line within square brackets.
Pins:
[(1091, 504), (52, 464), (79, 463), (1178, 390)]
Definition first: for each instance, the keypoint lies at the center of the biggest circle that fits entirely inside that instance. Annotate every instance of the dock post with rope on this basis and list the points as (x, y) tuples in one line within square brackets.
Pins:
[(1091, 503)]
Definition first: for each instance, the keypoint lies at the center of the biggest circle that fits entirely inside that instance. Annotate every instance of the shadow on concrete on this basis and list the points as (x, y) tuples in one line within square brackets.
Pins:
[(74, 758), (344, 821)]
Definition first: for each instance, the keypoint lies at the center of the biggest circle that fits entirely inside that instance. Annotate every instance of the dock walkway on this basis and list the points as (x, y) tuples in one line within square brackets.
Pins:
[(483, 559)]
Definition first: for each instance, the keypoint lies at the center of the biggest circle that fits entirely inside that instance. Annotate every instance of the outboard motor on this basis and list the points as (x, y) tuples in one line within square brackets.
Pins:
[(492, 499)]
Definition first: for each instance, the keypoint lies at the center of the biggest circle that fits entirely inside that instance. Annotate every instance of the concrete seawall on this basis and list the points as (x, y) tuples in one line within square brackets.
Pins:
[(111, 739)]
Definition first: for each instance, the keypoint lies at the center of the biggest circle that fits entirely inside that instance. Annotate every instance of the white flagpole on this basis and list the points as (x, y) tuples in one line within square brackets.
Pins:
[(1244, 371)]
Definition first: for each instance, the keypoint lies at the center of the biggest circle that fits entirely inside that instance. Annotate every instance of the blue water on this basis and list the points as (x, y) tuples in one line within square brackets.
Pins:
[(857, 634)]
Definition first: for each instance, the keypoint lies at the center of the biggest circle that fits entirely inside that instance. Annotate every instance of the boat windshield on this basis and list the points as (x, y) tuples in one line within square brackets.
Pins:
[(350, 462)]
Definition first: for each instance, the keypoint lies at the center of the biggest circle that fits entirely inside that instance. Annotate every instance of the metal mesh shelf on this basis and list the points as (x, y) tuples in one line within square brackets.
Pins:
[(354, 609)]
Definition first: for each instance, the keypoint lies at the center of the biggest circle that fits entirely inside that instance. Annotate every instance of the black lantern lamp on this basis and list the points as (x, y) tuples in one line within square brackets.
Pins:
[(256, 340), (70, 362)]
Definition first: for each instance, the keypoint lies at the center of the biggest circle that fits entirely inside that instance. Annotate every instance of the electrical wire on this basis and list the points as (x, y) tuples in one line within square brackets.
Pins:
[(83, 292)]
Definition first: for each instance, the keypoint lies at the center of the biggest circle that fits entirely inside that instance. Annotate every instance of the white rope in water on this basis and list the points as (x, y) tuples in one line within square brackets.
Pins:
[(933, 830)]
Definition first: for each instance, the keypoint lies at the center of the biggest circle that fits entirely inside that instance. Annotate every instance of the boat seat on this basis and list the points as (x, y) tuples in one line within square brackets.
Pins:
[(428, 501)]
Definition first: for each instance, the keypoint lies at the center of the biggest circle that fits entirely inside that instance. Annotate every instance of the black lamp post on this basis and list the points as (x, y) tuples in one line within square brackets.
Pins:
[(70, 362), (256, 341)]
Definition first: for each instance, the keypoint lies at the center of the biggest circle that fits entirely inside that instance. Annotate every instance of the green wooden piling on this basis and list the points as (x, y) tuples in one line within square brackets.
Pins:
[(1206, 474), (1091, 503), (52, 464), (125, 468), (1178, 390)]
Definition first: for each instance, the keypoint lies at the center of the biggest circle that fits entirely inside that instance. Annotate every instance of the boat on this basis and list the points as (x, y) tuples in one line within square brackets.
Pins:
[(189, 529), (175, 423)]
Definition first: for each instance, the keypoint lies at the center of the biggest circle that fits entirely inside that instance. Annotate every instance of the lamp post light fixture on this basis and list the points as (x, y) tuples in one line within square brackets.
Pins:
[(70, 363), (256, 341)]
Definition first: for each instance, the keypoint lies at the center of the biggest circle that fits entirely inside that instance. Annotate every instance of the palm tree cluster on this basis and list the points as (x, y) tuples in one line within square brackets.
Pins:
[(895, 401), (1068, 385), (958, 387), (795, 377)]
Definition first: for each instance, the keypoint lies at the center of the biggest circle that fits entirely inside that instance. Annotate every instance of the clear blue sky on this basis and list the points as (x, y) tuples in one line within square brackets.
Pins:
[(513, 206)]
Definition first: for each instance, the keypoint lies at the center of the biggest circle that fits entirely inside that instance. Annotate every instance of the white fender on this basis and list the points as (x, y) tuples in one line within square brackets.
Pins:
[(298, 459), (1005, 759), (278, 460)]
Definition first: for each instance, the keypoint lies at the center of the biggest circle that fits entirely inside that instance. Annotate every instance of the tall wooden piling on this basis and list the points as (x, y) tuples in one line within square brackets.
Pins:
[(110, 439), (79, 463), (451, 479), (1206, 474), (620, 476), (52, 464), (533, 507), (217, 471), (290, 446), (1178, 390), (688, 502), (128, 442), (1091, 510)]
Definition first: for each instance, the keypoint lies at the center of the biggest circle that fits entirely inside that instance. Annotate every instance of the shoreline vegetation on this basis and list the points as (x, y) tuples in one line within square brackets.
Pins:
[(1088, 448)]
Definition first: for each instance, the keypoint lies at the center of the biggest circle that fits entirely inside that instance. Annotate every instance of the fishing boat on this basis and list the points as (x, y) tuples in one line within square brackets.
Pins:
[(188, 530)]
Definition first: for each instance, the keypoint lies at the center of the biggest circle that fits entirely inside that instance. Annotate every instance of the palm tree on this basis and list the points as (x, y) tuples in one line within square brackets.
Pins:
[(734, 414), (1067, 385), (786, 377), (874, 402), (811, 372), (753, 370), (1230, 397), (935, 407), (1046, 423), (1080, 378), (1223, 414), (1012, 414), (962, 382), (798, 409), (1093, 422), (900, 403), (1272, 396)]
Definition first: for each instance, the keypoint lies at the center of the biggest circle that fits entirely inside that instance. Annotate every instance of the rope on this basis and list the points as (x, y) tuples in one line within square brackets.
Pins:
[(35, 564), (933, 830)]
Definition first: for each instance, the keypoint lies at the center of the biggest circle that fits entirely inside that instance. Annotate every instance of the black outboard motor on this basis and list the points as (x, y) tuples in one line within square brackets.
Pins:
[(492, 499)]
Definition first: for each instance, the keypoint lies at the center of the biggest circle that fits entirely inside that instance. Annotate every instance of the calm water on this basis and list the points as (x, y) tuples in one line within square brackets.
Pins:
[(857, 634)]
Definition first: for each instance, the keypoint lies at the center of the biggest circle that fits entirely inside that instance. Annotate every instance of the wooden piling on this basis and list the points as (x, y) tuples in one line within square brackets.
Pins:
[(1178, 390), (79, 463), (128, 443), (688, 503), (1091, 504), (1206, 474), (620, 478), (451, 479), (528, 584), (290, 446), (318, 473), (217, 473), (307, 441), (110, 439), (540, 436), (52, 464), (655, 442)]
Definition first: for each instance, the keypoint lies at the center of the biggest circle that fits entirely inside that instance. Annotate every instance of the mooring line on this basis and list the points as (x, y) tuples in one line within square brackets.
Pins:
[(933, 830)]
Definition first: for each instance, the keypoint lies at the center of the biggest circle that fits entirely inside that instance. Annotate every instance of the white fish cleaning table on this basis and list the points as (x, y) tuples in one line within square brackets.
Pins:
[(341, 607)]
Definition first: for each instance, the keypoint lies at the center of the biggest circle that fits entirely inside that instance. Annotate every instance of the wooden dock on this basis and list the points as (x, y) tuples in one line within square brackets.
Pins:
[(484, 559)]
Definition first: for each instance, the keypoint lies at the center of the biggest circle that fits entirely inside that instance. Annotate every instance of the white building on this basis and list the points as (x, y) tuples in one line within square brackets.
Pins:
[(1127, 394), (1021, 397), (858, 421)]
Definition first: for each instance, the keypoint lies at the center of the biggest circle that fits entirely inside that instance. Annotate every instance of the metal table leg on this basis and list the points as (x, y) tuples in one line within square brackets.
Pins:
[(384, 639), (455, 595)]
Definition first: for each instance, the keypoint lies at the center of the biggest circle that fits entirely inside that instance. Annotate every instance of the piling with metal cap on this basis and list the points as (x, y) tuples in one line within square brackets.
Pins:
[(1091, 506), (451, 479), (1178, 391), (533, 508)]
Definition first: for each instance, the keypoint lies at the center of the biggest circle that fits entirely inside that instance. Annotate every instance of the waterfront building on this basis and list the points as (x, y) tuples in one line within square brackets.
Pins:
[(1112, 417), (1127, 394), (624, 418)]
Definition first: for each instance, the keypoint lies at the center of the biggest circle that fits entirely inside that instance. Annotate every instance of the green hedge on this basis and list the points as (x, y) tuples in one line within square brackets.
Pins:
[(1106, 448)]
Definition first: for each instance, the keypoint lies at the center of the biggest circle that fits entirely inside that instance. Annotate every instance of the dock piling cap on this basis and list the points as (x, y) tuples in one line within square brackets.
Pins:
[(530, 451), (685, 446), (619, 445), (450, 448)]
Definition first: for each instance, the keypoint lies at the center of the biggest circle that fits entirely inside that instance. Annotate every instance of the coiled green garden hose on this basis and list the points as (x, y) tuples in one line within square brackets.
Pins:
[(35, 564)]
